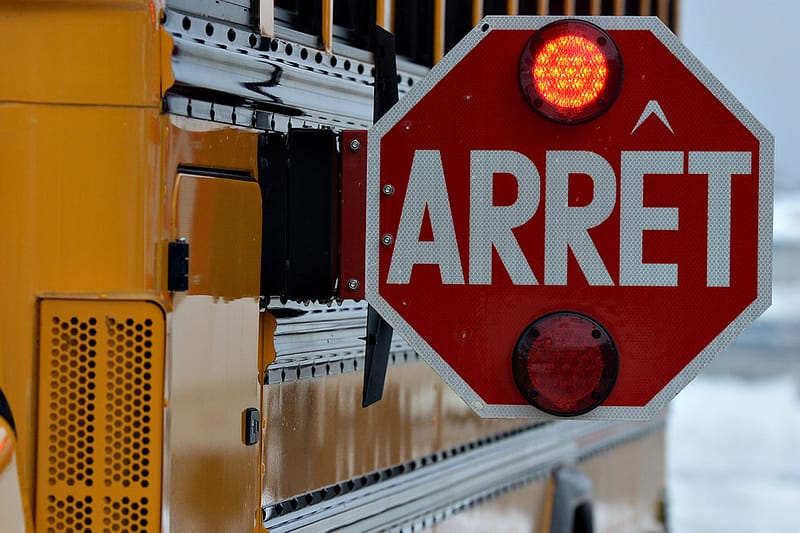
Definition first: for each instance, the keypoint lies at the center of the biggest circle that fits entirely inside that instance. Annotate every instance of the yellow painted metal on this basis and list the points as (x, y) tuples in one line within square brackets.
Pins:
[(84, 187), (266, 17), (13, 518), (92, 53), (543, 7), (166, 46), (512, 7), (214, 375), (79, 104), (101, 405), (90, 167), (327, 25), (522, 509), (438, 30), (477, 11), (384, 14), (266, 344), (628, 483), (318, 433), (663, 10)]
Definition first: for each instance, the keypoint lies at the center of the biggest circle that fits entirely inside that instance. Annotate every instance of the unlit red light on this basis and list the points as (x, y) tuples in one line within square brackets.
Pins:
[(570, 71), (565, 364)]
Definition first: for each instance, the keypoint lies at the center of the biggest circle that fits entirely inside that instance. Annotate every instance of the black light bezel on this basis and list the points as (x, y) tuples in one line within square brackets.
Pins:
[(607, 96)]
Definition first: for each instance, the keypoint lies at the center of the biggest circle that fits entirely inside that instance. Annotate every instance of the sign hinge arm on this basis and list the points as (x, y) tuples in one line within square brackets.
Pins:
[(379, 332)]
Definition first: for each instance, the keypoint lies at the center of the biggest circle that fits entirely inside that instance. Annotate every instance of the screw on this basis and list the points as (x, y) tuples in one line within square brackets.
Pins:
[(353, 284), (388, 189), (387, 239), (355, 145)]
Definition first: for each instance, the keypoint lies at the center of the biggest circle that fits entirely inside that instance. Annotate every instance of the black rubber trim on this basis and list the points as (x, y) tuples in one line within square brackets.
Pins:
[(211, 172)]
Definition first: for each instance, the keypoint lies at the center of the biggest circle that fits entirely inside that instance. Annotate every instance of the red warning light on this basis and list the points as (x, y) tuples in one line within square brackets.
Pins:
[(565, 364), (570, 71)]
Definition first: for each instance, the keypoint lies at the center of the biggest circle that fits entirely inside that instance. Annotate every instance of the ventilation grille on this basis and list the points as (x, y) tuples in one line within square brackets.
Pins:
[(128, 401), (101, 367)]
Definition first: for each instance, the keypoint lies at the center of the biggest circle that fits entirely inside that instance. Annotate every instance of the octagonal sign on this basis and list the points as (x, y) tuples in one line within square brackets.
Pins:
[(610, 257)]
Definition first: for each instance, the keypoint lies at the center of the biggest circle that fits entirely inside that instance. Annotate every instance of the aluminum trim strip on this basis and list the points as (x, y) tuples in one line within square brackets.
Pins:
[(317, 340), (274, 74), (430, 489)]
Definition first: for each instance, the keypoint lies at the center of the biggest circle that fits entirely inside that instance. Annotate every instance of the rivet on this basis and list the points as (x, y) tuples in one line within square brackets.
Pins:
[(387, 239), (388, 189)]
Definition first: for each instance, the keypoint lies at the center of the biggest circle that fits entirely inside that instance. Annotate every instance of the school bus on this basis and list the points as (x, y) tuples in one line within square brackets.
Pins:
[(177, 351)]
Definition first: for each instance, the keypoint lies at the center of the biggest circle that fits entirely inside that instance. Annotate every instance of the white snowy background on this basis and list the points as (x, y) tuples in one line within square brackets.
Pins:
[(734, 433)]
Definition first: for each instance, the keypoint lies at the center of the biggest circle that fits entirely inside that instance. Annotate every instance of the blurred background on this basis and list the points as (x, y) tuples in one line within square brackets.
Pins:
[(734, 433)]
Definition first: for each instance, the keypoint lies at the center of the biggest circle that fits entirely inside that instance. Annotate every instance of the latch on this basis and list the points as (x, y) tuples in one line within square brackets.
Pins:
[(178, 266)]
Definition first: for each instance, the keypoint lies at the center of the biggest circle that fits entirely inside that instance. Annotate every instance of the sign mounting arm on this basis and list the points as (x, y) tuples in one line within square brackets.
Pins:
[(379, 332)]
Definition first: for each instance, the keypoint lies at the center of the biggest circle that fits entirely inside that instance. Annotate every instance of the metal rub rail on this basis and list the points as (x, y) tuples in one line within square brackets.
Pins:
[(317, 340), (227, 73), (417, 494)]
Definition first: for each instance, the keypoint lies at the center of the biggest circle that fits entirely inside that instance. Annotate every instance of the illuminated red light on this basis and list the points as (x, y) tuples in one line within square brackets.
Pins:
[(565, 364), (570, 71)]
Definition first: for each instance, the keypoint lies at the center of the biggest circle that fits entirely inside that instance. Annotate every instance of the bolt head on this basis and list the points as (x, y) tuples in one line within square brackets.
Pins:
[(354, 145), (388, 189), (387, 239), (353, 284)]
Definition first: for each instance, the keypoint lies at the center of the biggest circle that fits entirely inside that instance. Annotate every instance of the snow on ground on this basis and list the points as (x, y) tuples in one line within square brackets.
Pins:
[(733, 460), (733, 455), (785, 304), (786, 228)]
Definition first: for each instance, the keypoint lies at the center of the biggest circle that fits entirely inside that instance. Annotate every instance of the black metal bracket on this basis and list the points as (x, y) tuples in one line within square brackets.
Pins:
[(251, 426), (178, 266), (379, 332)]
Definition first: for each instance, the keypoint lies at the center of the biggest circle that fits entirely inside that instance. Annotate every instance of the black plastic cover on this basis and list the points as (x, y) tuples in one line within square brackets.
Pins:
[(299, 178), (178, 266)]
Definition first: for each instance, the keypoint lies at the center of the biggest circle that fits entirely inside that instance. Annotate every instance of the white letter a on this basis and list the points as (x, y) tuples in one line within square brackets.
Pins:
[(427, 190)]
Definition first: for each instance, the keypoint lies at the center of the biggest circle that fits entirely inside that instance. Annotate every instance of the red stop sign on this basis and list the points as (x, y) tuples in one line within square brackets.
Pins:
[(653, 220)]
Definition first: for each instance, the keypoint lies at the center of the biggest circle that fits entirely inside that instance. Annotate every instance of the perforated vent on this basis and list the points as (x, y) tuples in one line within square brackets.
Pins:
[(71, 429), (126, 514), (100, 416), (128, 401), (69, 514)]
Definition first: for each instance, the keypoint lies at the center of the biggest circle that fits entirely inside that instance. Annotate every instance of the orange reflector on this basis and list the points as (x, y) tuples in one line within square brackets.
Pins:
[(565, 364), (570, 71)]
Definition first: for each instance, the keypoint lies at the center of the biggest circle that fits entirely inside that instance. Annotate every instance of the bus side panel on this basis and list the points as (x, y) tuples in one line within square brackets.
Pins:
[(318, 433), (79, 183), (213, 475)]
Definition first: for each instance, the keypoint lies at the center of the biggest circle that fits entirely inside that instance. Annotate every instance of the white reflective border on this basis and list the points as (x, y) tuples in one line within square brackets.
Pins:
[(765, 169)]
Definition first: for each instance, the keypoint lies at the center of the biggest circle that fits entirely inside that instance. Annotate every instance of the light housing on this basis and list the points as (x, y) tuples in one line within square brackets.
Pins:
[(570, 71), (565, 364)]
